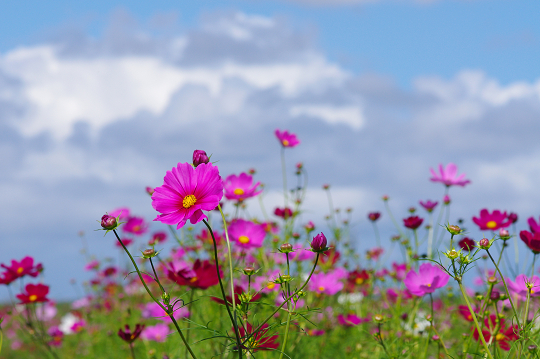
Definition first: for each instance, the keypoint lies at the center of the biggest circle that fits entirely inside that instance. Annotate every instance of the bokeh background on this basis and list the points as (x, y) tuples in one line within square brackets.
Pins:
[(98, 99)]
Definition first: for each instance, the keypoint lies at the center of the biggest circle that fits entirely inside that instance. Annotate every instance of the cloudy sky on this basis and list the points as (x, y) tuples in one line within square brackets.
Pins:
[(98, 100)]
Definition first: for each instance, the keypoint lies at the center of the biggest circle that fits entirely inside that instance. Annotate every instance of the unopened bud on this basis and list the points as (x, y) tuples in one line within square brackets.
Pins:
[(492, 280), (199, 157), (148, 253), (495, 295), (452, 254), (532, 347), (504, 234), (454, 229), (149, 190), (108, 222), (249, 270), (378, 318), (286, 248), (166, 298), (484, 243)]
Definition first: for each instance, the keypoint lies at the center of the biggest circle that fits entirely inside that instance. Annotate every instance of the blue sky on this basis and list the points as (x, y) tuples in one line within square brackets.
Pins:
[(401, 39), (99, 99)]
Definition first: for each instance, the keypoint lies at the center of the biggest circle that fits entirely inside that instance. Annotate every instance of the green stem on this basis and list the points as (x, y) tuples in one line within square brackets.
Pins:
[(507, 292), (289, 307), (132, 351), (377, 236), (480, 334), (284, 171), (169, 312), (393, 219), (233, 318), (331, 207)]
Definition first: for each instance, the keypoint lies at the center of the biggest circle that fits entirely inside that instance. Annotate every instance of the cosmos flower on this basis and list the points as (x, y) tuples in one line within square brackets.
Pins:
[(492, 221), (202, 275), (93, 264), (287, 139), (135, 225), (413, 222), (429, 205), (373, 216), (186, 192), (533, 225), (246, 234), (503, 336), (284, 213), (156, 333), (56, 336), (519, 287), (240, 187), (327, 283), (158, 237), (129, 336), (351, 320), (259, 341), (448, 176), (428, 278), (35, 293), (123, 213), (22, 268), (206, 237), (532, 240), (154, 311), (466, 313)]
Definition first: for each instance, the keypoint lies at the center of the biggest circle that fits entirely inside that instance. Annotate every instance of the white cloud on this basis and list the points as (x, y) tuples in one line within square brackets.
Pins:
[(349, 115)]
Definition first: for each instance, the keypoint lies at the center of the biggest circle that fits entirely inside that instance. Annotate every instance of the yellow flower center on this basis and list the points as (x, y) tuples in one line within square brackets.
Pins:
[(285, 143), (189, 201), (491, 224), (321, 289), (270, 285), (243, 239), (499, 336), (32, 298), (193, 279), (469, 317), (429, 285), (136, 228), (238, 191), (20, 270), (359, 280)]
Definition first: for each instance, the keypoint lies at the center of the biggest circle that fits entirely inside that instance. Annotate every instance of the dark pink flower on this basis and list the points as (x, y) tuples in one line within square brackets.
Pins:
[(413, 222), (429, 205), (35, 293), (122, 213), (319, 243), (373, 216), (129, 336), (186, 192), (283, 213), (240, 187), (374, 253), (532, 240), (287, 139), (200, 156), (158, 237), (448, 176), (428, 278), (467, 244), (533, 226), (351, 320), (492, 221), (519, 287), (246, 234), (22, 268), (135, 225)]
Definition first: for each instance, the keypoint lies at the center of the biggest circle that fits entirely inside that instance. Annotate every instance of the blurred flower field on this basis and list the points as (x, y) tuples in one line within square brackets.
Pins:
[(285, 285)]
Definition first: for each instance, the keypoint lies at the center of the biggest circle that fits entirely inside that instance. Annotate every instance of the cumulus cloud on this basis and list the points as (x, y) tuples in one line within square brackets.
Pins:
[(85, 126)]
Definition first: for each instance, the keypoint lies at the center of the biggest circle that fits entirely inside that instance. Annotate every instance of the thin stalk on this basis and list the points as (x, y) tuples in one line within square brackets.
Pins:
[(331, 207), (191, 314), (430, 235), (233, 318), (230, 257), (442, 342), (443, 207), (290, 308), (393, 219), (154, 298), (377, 236), (480, 334), (284, 172), (132, 351)]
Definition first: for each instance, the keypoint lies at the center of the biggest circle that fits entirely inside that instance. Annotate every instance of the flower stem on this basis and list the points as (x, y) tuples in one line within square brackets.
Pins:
[(480, 334), (233, 318), (132, 351), (167, 310), (284, 171)]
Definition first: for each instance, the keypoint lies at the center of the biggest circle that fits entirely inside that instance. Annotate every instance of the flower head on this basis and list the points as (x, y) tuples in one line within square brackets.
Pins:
[(429, 205), (135, 225), (448, 176), (351, 320), (156, 333), (503, 336), (428, 278), (186, 192), (202, 275), (467, 244), (22, 268), (413, 222), (200, 156), (287, 139), (319, 243), (373, 216), (284, 213), (127, 335), (35, 293), (240, 187), (492, 221), (522, 285), (532, 240), (260, 340), (327, 283), (247, 234)]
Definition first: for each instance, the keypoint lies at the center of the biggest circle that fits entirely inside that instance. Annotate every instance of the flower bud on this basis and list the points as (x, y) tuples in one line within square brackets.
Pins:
[(199, 156), (513, 217), (373, 216), (249, 270), (492, 280), (504, 234), (453, 229), (435, 337), (446, 199), (378, 318), (532, 347), (495, 295), (484, 243), (108, 222), (149, 190), (412, 210), (326, 186), (252, 171), (148, 253), (319, 243), (286, 248), (166, 298), (385, 198), (451, 254)]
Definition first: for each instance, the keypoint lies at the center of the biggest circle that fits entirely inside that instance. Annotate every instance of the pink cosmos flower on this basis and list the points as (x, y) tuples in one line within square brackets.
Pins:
[(266, 282), (519, 287), (123, 213), (351, 320), (413, 222), (93, 264), (22, 268), (156, 333), (246, 234), (448, 176), (301, 254), (492, 221), (429, 205), (287, 139), (327, 283), (186, 192), (532, 240), (154, 311), (400, 271), (135, 225), (57, 336), (533, 226), (158, 237), (428, 278), (240, 187), (125, 241)]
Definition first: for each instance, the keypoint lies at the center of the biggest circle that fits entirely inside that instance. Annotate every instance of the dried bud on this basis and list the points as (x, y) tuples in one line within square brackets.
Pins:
[(199, 157)]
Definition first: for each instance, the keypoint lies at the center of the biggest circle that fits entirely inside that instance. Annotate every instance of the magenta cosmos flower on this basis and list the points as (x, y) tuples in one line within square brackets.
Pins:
[(247, 234), (186, 192), (428, 278), (519, 287), (448, 176), (156, 333), (492, 221), (532, 240), (429, 205), (240, 187), (413, 222), (135, 225), (328, 283), (533, 225), (287, 139)]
